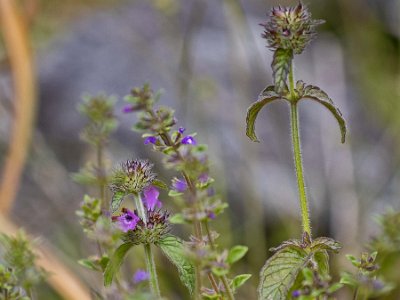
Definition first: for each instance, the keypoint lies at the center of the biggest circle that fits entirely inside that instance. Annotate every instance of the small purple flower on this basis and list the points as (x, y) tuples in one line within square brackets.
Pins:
[(140, 275), (296, 293), (128, 220), (150, 140), (189, 140), (179, 185), (128, 109), (181, 130), (151, 198), (211, 215), (203, 178)]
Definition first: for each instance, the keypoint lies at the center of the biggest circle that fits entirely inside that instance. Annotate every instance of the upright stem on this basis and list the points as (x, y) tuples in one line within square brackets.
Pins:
[(151, 267), (294, 123), (100, 170)]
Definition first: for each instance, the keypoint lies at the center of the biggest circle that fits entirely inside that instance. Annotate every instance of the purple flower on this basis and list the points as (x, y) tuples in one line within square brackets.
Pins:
[(211, 215), (151, 198), (150, 140), (189, 140), (203, 178), (128, 109), (179, 185), (140, 275), (128, 220), (181, 130), (296, 294)]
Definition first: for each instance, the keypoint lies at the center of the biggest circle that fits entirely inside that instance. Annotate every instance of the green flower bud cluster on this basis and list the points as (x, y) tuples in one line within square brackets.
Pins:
[(132, 177), (101, 120), (150, 232), (290, 28)]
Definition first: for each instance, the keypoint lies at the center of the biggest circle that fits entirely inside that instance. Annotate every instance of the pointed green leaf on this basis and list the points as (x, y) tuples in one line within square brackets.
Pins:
[(115, 262), (174, 250), (267, 95), (325, 243), (177, 219), (160, 184), (280, 272), (239, 280), (316, 94), (280, 68), (116, 201), (236, 253)]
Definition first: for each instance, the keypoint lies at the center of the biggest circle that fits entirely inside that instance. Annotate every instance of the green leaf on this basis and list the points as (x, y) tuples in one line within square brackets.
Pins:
[(316, 94), (280, 272), (160, 184), (88, 263), (173, 193), (239, 280), (335, 287), (236, 253), (280, 68), (116, 201), (325, 243), (177, 219), (174, 250), (322, 260), (267, 95), (115, 262)]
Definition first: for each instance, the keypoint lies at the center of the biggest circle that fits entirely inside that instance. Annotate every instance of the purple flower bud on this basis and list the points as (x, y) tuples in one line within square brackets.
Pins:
[(128, 220), (203, 178), (151, 198), (211, 215), (179, 185), (140, 275), (150, 140), (189, 140), (296, 293), (181, 130), (128, 109)]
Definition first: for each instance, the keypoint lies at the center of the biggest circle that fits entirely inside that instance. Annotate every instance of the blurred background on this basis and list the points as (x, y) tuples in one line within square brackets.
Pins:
[(211, 62)]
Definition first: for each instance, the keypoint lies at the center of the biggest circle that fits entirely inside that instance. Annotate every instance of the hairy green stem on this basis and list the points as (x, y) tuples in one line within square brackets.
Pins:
[(294, 124), (151, 267)]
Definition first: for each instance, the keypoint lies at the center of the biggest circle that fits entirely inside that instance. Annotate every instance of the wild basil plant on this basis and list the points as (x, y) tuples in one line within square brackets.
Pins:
[(193, 193), (19, 276), (287, 32)]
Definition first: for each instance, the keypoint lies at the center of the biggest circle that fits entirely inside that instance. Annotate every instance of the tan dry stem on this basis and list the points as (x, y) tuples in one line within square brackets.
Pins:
[(18, 50)]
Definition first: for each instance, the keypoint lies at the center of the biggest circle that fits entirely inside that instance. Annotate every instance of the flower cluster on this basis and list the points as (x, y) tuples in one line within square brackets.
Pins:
[(100, 113), (133, 177), (290, 28), (143, 231)]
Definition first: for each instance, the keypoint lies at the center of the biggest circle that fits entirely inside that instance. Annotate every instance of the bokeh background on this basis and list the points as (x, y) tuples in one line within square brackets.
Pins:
[(211, 62)]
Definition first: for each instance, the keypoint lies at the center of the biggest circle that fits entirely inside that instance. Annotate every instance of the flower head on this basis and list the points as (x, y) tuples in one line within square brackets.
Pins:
[(132, 177), (290, 28), (189, 140), (140, 275), (179, 185), (152, 231), (127, 220), (128, 109), (151, 198), (150, 140), (181, 130)]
